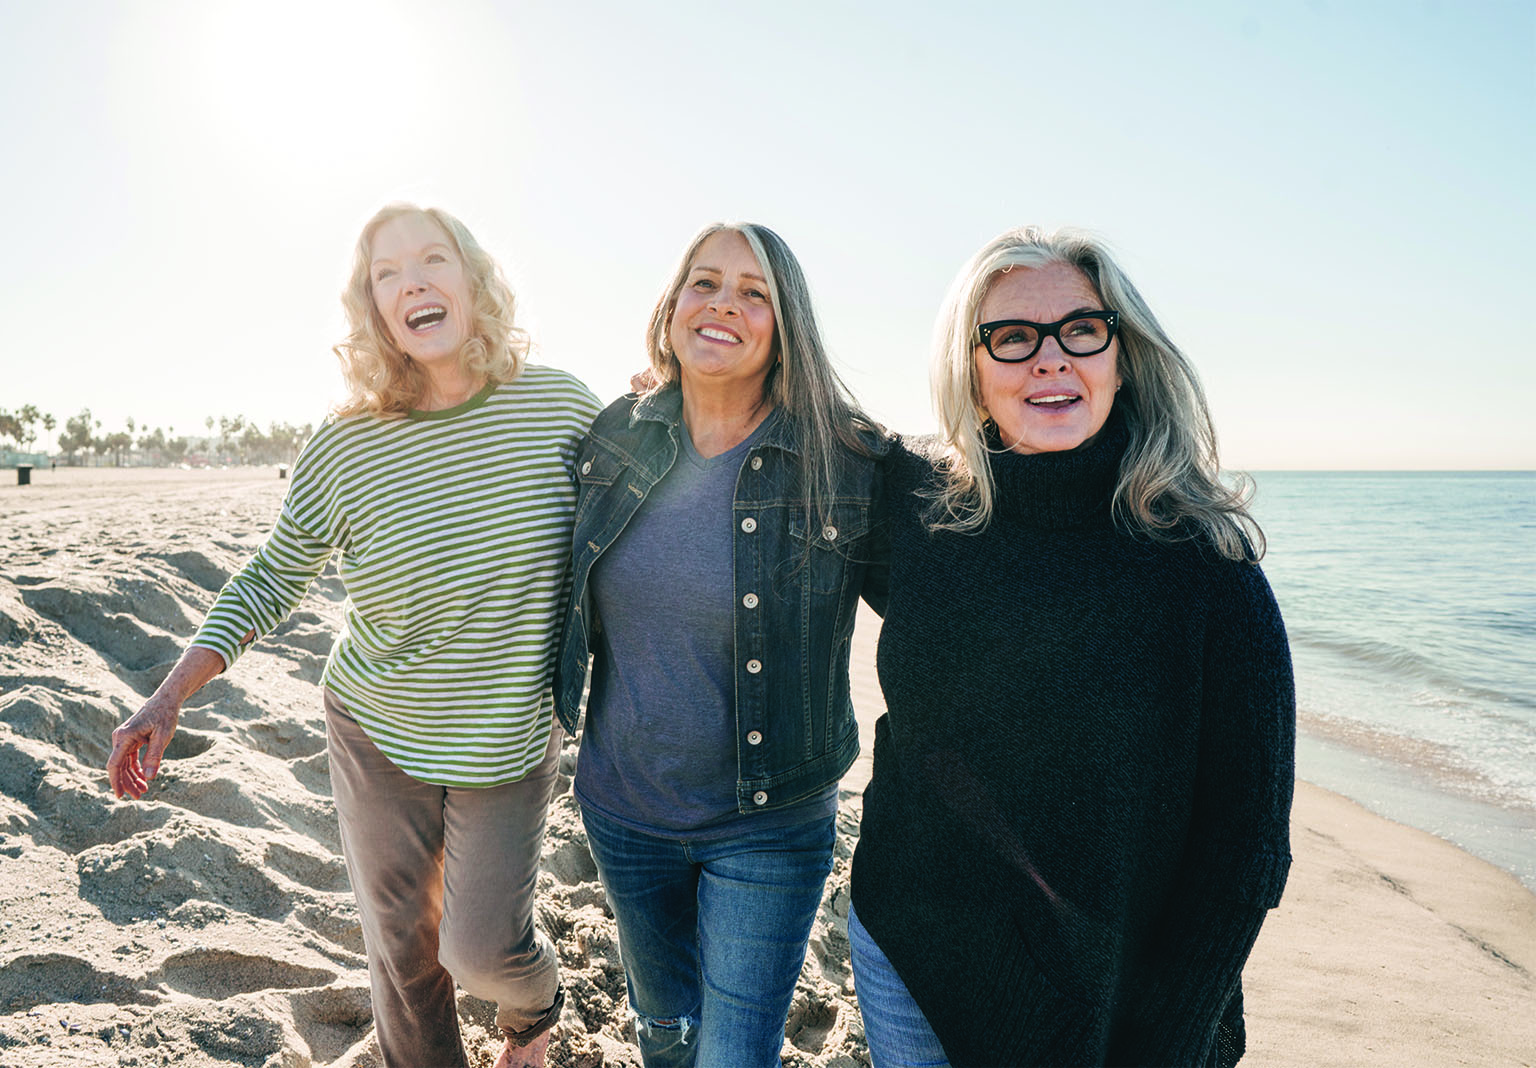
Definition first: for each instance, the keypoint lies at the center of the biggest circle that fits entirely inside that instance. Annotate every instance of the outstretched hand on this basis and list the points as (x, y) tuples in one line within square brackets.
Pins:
[(148, 730), (139, 744)]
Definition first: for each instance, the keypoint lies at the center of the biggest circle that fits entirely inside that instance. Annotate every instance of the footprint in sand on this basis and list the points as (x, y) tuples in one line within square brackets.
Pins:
[(43, 978), (222, 973)]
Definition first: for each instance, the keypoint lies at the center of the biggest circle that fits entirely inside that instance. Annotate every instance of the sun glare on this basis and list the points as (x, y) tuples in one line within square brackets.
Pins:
[(294, 87)]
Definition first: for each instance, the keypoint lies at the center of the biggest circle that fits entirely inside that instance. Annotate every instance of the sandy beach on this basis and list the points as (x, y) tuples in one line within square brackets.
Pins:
[(212, 922)]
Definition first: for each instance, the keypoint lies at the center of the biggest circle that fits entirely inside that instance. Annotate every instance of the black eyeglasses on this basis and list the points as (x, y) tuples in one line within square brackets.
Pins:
[(1016, 340)]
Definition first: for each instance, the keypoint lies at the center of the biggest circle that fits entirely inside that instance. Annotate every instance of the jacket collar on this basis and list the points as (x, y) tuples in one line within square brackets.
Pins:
[(666, 406)]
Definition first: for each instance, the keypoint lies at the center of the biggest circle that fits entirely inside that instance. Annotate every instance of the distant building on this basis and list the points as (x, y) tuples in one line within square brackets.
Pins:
[(11, 458)]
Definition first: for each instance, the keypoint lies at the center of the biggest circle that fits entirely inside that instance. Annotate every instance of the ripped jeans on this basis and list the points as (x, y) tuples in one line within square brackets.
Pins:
[(713, 935)]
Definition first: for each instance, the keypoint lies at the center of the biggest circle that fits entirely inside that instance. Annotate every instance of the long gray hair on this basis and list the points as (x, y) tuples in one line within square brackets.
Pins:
[(803, 383), (1170, 478)]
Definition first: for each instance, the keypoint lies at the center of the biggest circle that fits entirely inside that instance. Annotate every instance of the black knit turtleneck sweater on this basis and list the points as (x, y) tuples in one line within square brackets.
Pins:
[(1080, 804)]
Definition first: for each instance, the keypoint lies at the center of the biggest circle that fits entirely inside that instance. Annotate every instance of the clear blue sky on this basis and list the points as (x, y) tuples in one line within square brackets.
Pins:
[(1329, 204)]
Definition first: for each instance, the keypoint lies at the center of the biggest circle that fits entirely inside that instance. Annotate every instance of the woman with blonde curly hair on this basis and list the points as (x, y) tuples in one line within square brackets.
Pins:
[(1078, 812), (445, 482)]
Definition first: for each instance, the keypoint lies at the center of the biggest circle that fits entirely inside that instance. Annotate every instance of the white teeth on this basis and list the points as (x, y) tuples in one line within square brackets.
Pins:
[(719, 335), (1053, 399), (434, 311)]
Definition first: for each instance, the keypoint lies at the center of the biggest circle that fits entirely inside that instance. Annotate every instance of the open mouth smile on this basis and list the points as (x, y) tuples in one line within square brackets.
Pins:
[(713, 334), (425, 317)]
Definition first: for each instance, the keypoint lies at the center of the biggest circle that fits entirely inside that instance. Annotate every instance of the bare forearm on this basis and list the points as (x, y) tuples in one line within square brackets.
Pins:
[(195, 668)]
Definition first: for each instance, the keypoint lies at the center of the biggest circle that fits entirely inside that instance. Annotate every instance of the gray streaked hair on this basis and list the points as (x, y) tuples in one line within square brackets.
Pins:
[(802, 382), (1170, 484)]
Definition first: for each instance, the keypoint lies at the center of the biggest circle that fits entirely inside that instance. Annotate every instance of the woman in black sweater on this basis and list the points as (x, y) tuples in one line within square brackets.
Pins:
[(1079, 811)]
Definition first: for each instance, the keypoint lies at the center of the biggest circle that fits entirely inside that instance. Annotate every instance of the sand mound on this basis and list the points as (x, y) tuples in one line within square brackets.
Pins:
[(212, 923)]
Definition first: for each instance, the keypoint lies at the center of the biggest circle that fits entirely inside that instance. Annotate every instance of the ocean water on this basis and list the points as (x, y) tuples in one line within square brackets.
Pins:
[(1410, 600)]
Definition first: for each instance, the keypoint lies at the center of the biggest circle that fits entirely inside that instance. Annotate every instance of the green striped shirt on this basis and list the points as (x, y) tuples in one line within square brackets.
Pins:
[(454, 529)]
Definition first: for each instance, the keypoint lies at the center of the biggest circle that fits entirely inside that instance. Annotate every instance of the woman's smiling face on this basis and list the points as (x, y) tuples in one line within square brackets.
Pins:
[(722, 326), (1052, 401), (421, 288)]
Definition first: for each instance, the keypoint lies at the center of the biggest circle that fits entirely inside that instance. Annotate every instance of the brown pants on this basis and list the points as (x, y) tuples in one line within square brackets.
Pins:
[(444, 878)]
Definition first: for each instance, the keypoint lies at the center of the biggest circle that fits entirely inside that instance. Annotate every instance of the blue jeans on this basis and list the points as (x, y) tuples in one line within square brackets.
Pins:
[(713, 935), (898, 1033)]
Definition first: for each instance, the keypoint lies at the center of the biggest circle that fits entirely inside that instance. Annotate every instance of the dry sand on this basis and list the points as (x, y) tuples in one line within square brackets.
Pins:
[(212, 923)]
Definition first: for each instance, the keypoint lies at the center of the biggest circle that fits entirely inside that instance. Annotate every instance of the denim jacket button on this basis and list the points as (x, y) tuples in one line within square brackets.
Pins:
[(749, 524), (829, 532), (760, 798), (750, 600), (754, 737), (754, 666), (586, 468), (757, 463)]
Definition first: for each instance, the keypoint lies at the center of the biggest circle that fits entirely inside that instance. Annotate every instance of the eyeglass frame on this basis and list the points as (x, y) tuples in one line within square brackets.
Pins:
[(984, 332)]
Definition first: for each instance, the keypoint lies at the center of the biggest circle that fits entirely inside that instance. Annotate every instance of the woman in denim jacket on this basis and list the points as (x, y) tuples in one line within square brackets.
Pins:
[(722, 542)]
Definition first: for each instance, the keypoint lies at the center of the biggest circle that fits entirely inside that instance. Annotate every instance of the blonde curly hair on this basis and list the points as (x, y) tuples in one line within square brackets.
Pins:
[(385, 382)]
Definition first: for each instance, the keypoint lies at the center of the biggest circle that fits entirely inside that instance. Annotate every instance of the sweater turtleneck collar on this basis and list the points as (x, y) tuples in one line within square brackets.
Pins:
[(1060, 489)]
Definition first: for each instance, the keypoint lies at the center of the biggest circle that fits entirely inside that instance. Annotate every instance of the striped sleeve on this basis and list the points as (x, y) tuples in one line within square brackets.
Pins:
[(271, 584)]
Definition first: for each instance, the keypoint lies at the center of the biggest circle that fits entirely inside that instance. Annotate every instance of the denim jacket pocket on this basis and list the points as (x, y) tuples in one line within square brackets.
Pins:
[(597, 469), (834, 545), (598, 465)]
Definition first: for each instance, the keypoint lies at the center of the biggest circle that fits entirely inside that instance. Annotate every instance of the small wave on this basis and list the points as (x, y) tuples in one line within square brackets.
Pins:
[(1403, 664), (1522, 625), (1450, 768)]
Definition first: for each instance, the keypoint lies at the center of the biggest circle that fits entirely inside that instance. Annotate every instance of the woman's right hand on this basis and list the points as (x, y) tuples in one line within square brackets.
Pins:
[(151, 727)]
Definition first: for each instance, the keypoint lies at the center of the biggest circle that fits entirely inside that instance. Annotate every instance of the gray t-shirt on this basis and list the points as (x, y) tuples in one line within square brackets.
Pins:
[(658, 752)]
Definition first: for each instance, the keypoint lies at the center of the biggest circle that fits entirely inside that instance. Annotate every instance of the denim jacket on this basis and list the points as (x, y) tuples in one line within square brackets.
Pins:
[(795, 728)]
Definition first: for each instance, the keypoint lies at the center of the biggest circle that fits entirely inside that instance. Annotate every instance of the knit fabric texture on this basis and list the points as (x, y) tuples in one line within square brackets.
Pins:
[(1079, 809)]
